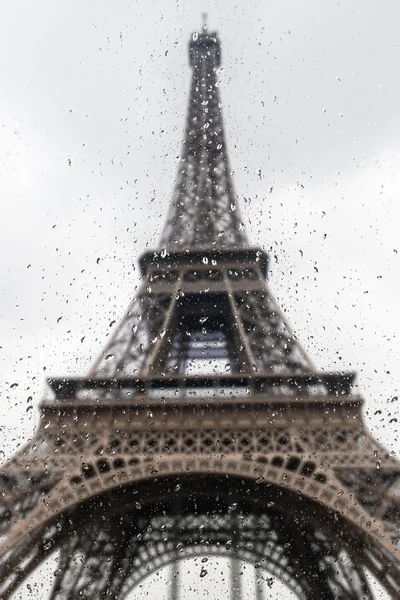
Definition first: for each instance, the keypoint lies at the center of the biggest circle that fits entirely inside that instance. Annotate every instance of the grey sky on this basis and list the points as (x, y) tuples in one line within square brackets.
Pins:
[(93, 97)]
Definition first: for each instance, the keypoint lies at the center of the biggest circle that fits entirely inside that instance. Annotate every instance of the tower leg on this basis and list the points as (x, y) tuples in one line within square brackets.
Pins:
[(259, 585), (236, 584), (174, 592)]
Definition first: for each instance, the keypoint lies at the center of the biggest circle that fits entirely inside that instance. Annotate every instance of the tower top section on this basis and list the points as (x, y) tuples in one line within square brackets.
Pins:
[(204, 45), (204, 212)]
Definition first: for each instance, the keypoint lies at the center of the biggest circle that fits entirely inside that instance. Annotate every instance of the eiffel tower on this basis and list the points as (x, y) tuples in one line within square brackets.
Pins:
[(203, 428)]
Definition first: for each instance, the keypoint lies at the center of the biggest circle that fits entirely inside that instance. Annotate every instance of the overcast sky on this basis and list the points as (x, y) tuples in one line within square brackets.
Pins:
[(93, 99)]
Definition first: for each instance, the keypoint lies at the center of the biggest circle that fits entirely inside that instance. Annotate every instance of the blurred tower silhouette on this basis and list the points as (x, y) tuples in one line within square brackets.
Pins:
[(203, 428)]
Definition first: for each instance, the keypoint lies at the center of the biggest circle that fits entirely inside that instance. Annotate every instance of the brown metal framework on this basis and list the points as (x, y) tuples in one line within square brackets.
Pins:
[(203, 426)]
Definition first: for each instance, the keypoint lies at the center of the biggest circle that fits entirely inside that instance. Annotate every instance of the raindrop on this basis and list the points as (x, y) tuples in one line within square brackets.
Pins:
[(203, 572)]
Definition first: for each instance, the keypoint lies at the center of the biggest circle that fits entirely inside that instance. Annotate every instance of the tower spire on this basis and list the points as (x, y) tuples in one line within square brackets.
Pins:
[(204, 209)]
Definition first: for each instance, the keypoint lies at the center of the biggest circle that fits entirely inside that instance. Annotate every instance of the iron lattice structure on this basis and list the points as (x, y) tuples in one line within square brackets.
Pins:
[(203, 428)]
